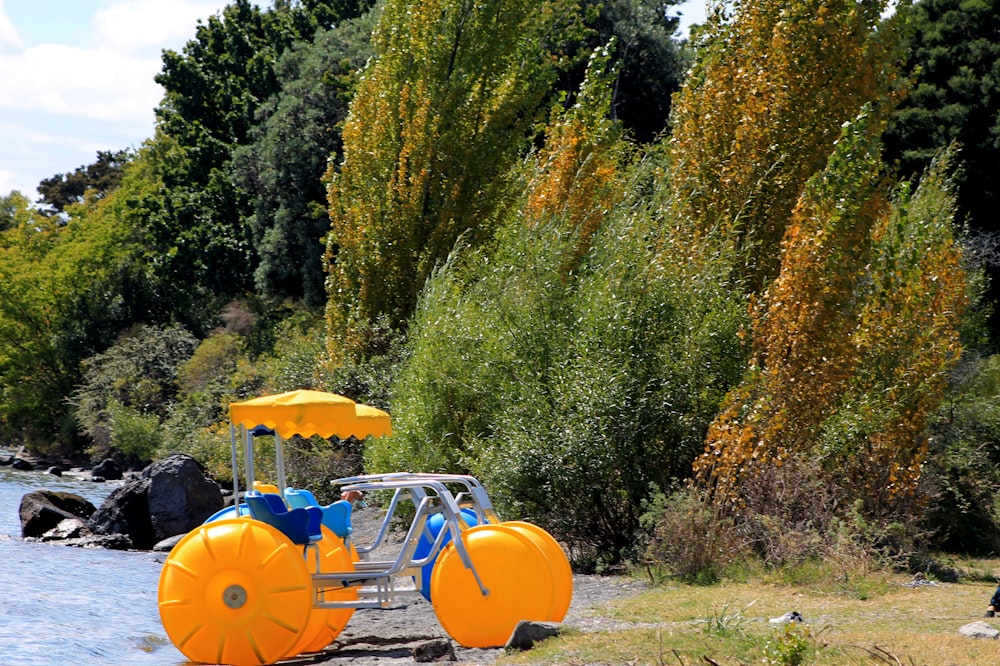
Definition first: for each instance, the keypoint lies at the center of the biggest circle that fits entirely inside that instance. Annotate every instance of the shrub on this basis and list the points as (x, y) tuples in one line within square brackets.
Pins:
[(688, 538), (568, 394), (139, 373), (135, 434)]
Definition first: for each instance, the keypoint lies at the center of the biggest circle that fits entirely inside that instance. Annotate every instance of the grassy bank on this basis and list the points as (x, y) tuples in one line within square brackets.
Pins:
[(850, 618)]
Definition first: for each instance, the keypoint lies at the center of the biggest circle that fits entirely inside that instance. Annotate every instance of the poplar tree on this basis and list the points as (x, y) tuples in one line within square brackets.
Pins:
[(447, 106), (856, 287), (774, 83)]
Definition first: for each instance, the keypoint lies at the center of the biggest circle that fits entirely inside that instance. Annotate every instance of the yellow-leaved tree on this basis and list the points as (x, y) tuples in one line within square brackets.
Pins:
[(759, 113), (440, 117), (855, 287)]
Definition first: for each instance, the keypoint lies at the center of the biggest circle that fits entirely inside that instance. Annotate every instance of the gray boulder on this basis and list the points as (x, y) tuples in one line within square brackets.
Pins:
[(527, 633), (42, 510), (979, 629), (126, 511), (171, 497), (108, 470), (181, 497)]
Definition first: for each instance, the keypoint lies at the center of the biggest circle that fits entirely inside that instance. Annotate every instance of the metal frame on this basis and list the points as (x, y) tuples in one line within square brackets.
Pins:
[(382, 583)]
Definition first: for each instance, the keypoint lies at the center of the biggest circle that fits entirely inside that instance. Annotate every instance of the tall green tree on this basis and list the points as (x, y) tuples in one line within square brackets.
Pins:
[(214, 89), (953, 55), (99, 178), (446, 108), (298, 131)]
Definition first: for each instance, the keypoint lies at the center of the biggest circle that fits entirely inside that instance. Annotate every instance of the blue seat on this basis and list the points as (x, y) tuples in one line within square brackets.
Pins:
[(336, 516), (300, 524)]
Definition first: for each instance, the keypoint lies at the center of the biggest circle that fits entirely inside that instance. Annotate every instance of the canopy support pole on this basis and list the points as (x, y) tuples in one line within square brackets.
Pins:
[(248, 456), (236, 474), (279, 462)]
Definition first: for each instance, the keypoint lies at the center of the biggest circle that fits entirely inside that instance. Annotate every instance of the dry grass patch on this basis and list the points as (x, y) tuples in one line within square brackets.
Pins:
[(727, 624)]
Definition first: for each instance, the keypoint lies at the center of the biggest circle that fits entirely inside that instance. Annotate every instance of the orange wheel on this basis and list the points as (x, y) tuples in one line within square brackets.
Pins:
[(325, 624), (516, 574), (562, 573), (235, 591)]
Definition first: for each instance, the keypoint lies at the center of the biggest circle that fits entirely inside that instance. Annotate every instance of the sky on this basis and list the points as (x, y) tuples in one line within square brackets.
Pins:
[(76, 77)]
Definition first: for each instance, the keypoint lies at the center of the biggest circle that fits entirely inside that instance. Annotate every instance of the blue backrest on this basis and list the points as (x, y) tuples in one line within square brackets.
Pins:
[(336, 516), (300, 525)]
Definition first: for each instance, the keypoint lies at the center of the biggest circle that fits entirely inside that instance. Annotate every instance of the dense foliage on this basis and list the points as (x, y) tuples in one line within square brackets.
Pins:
[(441, 116), (493, 219), (954, 57)]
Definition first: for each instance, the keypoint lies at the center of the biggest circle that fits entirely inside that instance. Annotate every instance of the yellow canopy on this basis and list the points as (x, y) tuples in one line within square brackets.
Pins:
[(308, 413)]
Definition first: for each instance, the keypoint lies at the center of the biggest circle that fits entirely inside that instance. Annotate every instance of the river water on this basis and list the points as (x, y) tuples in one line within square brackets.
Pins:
[(63, 605)]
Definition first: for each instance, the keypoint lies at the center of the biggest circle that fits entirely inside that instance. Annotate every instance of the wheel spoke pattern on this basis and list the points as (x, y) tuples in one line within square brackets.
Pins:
[(325, 624), (235, 591)]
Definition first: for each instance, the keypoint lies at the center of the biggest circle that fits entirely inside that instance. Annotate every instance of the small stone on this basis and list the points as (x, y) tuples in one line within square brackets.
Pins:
[(168, 544), (979, 629), (527, 633), (70, 528), (436, 650)]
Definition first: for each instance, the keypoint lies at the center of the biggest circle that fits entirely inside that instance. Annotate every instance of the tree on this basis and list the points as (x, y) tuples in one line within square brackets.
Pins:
[(135, 377), (954, 58), (213, 92), (298, 131), (446, 108), (854, 334), (651, 65), (71, 284), (757, 119), (853, 341), (571, 358), (98, 178)]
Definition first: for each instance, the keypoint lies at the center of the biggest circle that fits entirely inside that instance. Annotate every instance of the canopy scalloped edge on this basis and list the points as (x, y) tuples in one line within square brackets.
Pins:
[(309, 413)]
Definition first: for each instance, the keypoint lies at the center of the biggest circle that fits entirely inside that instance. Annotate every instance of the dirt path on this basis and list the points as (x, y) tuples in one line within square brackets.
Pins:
[(387, 637)]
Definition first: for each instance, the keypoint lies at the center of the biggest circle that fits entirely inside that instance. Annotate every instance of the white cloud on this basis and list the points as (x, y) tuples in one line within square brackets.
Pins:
[(83, 83), (9, 39), (109, 79), (8, 183), (143, 24), (72, 81)]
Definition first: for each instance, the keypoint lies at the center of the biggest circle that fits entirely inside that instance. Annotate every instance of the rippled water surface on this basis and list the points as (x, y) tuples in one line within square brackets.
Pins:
[(63, 605)]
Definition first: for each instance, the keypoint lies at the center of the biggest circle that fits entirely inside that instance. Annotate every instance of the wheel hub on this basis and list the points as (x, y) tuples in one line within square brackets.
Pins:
[(234, 596)]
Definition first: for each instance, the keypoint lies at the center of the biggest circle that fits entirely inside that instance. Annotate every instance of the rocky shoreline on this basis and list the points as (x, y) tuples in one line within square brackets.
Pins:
[(154, 508), (150, 510)]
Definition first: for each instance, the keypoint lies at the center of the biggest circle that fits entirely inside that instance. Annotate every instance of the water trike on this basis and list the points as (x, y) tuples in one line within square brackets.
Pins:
[(279, 575)]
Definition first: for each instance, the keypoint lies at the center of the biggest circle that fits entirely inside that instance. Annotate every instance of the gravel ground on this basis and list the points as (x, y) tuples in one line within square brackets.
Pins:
[(387, 637)]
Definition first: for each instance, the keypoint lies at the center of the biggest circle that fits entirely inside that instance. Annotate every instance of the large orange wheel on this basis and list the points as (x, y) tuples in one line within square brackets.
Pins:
[(562, 573), (235, 592), (325, 624), (516, 574)]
